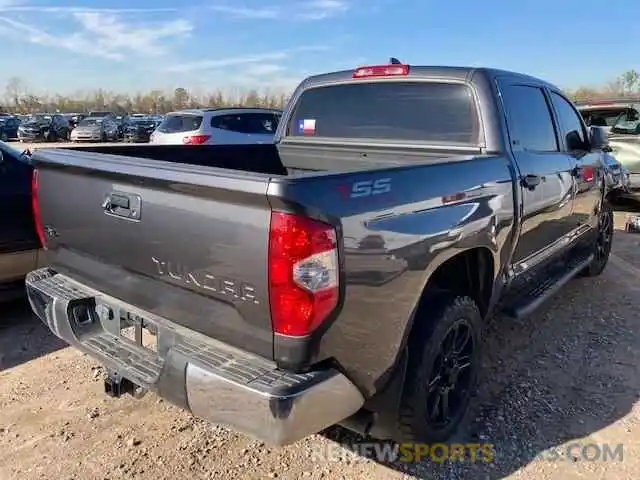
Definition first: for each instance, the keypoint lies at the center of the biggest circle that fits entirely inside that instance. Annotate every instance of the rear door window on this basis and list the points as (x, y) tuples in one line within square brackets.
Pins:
[(529, 118), (249, 123), (180, 123), (430, 112)]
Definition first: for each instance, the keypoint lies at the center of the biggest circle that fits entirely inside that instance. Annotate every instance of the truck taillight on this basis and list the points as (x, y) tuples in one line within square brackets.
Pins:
[(195, 139), (303, 273), (35, 204)]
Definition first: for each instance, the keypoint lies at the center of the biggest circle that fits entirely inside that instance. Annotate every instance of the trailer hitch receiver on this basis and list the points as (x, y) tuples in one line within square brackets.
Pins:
[(116, 386)]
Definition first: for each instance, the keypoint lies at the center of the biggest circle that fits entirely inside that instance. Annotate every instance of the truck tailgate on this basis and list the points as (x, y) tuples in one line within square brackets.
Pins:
[(184, 242)]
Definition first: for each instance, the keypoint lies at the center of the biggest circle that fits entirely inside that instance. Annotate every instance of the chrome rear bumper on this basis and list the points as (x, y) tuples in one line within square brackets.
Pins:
[(214, 381)]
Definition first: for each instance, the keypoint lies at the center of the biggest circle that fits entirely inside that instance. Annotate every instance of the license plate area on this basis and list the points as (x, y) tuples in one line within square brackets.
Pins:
[(139, 331)]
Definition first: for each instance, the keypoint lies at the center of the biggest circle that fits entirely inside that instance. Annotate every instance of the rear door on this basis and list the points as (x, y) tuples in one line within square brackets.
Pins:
[(587, 166), (544, 170)]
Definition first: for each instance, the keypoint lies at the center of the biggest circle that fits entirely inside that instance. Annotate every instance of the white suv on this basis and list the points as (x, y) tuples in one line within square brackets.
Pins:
[(217, 126)]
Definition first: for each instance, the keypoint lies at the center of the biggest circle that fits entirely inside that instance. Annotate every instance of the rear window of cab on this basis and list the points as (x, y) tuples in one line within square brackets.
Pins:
[(424, 112)]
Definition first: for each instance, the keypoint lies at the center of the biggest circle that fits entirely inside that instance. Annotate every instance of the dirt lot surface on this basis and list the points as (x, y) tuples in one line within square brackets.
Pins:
[(569, 373)]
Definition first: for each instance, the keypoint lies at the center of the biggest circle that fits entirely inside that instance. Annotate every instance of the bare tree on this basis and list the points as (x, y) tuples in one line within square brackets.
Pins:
[(14, 90), (630, 82), (18, 98), (180, 97)]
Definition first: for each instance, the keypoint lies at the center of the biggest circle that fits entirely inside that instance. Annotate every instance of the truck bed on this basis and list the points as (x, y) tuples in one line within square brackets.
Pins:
[(284, 159), (196, 250)]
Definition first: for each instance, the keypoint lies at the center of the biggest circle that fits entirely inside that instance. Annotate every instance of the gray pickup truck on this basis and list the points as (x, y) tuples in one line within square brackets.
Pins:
[(342, 275)]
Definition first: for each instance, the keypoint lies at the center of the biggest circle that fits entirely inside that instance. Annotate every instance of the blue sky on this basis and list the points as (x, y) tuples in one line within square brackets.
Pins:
[(137, 45)]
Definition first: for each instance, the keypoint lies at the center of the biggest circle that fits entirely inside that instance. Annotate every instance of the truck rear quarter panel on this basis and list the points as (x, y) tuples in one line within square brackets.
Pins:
[(399, 225)]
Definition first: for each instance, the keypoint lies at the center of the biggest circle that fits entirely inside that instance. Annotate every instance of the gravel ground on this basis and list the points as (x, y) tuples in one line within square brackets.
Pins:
[(569, 373)]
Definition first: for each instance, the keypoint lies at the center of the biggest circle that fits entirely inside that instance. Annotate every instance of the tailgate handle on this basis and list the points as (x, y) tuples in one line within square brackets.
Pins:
[(120, 204)]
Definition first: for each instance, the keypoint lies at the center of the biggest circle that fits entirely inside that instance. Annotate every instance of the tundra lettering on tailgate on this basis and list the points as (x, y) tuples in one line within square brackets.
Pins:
[(206, 280)]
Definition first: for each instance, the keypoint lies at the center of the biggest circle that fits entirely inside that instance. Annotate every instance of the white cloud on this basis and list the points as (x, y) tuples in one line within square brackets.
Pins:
[(307, 10), (262, 69), (5, 4), (109, 33), (101, 34), (255, 59), (72, 42), (19, 6), (212, 64), (265, 13), (321, 9)]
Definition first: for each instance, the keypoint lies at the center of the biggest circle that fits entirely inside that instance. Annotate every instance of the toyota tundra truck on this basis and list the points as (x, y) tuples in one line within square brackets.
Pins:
[(342, 275)]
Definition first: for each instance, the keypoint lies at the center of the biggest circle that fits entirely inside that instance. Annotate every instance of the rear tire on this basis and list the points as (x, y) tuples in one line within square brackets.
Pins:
[(603, 242), (444, 362), (4, 137)]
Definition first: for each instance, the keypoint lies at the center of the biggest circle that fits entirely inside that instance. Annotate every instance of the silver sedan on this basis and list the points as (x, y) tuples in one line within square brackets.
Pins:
[(95, 129)]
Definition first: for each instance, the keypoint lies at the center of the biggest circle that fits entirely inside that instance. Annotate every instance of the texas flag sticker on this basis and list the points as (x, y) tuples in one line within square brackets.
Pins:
[(307, 126)]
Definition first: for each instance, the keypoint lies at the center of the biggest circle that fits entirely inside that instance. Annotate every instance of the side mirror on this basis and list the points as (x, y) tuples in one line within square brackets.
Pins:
[(598, 139)]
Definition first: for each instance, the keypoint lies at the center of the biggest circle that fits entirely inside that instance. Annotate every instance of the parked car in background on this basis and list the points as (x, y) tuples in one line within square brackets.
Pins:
[(621, 119), (121, 122), (9, 128), (95, 129), (218, 126), (44, 127), (605, 113), (138, 129), (76, 118), (101, 113), (617, 176), (19, 243), (73, 118)]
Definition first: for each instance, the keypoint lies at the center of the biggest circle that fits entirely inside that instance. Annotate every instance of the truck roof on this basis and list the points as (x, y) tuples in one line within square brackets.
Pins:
[(460, 73)]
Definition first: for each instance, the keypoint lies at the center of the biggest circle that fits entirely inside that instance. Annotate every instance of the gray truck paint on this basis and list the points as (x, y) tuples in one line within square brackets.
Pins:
[(434, 202)]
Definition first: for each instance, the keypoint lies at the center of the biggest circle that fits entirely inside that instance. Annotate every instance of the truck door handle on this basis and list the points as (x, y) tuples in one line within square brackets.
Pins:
[(531, 181), (120, 204)]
